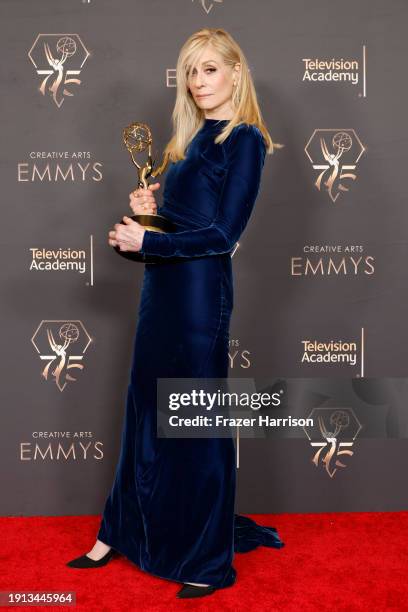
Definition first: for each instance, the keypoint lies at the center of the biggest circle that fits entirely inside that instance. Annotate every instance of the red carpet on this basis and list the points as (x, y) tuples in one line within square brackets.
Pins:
[(347, 561)]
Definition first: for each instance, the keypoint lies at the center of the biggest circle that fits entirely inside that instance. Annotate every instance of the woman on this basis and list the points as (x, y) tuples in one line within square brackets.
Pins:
[(171, 507)]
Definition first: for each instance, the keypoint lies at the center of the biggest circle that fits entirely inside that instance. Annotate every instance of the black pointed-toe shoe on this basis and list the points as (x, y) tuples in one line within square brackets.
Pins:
[(192, 590), (85, 562)]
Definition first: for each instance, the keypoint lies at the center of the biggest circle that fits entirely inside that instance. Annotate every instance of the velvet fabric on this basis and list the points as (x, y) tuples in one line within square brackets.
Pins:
[(171, 506)]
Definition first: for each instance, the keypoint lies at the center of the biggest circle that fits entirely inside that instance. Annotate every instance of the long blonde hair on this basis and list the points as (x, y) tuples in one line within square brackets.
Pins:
[(188, 118)]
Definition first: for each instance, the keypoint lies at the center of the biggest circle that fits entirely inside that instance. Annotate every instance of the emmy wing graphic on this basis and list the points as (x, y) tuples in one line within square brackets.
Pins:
[(341, 151), (55, 341), (58, 59)]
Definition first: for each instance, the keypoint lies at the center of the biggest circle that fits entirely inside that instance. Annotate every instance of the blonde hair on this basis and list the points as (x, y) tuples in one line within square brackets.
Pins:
[(188, 118)]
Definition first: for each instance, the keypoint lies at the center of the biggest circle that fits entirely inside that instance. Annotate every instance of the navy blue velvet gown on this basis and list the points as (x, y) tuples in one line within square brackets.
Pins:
[(171, 507)]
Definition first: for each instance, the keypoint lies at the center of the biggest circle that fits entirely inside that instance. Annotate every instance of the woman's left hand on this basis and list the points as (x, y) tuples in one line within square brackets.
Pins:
[(127, 237)]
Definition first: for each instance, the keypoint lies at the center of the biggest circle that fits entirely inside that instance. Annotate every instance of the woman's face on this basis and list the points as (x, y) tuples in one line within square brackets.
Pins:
[(211, 85)]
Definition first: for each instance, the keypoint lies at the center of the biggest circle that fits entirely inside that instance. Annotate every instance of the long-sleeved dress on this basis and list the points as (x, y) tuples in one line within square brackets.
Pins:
[(171, 506)]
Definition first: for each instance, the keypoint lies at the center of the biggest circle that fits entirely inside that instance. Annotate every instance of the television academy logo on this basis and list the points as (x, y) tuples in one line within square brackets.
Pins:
[(321, 353), (58, 59), (207, 5), (334, 153), (54, 340), (338, 427), (338, 70)]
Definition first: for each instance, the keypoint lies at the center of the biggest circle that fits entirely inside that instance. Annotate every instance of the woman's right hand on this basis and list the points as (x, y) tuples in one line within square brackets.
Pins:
[(142, 201)]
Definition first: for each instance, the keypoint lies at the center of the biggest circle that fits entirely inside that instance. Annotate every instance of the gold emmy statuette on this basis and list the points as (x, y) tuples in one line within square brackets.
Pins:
[(138, 138)]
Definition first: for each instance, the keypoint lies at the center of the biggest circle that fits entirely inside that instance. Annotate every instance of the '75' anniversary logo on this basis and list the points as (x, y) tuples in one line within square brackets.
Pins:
[(58, 60)]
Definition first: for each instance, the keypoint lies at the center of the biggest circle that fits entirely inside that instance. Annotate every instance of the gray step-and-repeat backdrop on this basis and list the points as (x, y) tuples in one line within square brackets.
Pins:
[(320, 274)]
